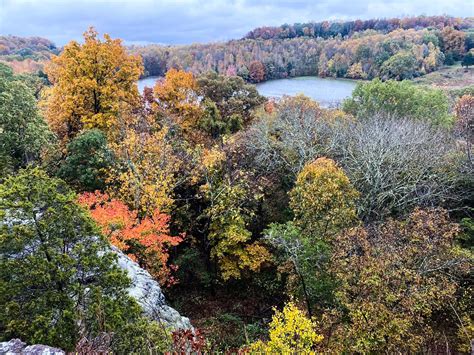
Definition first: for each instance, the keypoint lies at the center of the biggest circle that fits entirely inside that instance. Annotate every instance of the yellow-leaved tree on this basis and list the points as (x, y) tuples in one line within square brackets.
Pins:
[(92, 83), (146, 174), (323, 199), (229, 212), (323, 203), (176, 94), (291, 332)]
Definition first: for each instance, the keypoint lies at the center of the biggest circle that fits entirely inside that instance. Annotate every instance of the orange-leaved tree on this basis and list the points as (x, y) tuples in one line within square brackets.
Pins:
[(146, 240)]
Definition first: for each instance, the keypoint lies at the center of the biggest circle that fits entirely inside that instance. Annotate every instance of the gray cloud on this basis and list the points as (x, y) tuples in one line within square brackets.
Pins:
[(188, 21)]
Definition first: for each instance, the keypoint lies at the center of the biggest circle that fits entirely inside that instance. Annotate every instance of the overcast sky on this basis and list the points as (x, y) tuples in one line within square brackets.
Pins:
[(188, 21)]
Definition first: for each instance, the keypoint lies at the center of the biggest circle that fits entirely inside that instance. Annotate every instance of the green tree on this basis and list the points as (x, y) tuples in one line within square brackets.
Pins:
[(232, 95), (87, 162), (58, 279), (23, 132), (6, 72), (431, 37), (449, 58), (399, 99), (36, 82), (323, 202), (402, 65), (468, 59), (213, 124)]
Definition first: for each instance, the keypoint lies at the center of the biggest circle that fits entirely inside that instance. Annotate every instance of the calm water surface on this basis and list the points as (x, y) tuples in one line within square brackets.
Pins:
[(150, 82), (328, 92)]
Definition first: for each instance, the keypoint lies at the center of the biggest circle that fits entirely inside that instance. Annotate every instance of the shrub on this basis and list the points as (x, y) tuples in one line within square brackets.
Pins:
[(290, 332)]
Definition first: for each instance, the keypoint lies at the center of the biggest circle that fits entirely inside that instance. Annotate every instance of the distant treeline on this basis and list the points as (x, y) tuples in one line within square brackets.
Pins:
[(33, 47), (26, 54), (380, 48), (328, 29), (387, 49)]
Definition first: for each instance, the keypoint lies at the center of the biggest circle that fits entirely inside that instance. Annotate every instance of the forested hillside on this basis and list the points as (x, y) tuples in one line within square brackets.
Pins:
[(380, 48), (25, 47), (387, 49), (26, 54), (328, 29), (277, 227)]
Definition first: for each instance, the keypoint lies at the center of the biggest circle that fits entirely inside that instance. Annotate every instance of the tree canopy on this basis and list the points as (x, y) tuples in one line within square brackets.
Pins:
[(23, 132), (92, 83), (57, 272), (275, 225), (400, 99)]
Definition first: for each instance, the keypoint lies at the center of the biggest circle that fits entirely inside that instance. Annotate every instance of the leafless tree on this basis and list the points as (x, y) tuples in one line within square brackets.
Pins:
[(298, 132), (398, 164), (395, 163)]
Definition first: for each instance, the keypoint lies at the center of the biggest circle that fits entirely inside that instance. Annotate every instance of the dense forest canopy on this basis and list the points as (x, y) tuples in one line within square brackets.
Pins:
[(389, 49), (26, 54), (276, 226), (25, 46), (329, 29), (385, 48)]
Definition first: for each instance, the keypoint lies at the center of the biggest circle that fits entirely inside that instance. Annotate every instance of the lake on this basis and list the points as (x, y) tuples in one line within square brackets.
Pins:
[(150, 82), (327, 92)]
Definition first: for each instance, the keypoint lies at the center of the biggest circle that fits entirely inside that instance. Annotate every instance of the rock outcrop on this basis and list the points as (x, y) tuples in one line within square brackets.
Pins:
[(148, 293), (16, 346)]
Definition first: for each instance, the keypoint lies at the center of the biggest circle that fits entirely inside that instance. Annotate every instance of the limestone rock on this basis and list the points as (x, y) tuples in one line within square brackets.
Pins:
[(16, 346), (148, 293)]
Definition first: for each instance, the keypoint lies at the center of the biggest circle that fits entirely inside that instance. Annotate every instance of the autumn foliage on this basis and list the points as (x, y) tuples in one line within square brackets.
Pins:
[(229, 217), (146, 241), (290, 332), (177, 95), (257, 72), (338, 217), (92, 83), (323, 199), (353, 49), (327, 29), (146, 172), (464, 111), (398, 284)]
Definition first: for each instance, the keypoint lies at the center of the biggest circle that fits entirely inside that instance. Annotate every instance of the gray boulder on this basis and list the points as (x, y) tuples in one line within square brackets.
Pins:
[(148, 293), (16, 346)]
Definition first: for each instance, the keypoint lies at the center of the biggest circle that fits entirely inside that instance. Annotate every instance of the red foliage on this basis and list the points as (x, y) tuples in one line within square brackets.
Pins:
[(270, 106), (257, 71), (146, 241), (186, 341)]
